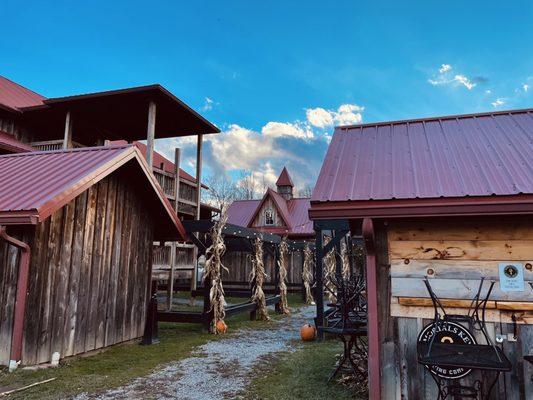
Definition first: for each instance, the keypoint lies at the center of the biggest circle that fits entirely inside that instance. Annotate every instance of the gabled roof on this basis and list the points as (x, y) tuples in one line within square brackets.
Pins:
[(160, 161), (14, 96), (284, 178), (36, 184), (294, 213), (9, 144), (465, 158), (122, 113)]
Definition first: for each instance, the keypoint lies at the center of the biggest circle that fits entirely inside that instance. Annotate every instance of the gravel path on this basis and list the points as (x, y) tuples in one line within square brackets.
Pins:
[(217, 370)]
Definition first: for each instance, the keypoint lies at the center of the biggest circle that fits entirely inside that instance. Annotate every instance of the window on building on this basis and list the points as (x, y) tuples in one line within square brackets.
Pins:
[(269, 217)]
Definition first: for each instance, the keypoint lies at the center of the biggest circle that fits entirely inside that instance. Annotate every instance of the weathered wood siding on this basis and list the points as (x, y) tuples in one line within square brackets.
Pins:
[(89, 274), (260, 218), (455, 254), (239, 266)]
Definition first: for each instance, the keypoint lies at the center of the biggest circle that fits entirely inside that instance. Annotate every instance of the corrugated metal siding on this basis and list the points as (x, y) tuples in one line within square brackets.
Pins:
[(16, 96), (477, 155), (29, 180)]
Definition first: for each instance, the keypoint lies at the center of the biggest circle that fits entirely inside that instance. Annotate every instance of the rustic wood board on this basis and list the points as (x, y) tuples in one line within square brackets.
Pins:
[(451, 269), (462, 249), (473, 229), (455, 289)]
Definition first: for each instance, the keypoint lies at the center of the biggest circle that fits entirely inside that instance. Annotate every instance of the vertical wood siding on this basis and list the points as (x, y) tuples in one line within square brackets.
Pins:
[(239, 266), (88, 275), (458, 253)]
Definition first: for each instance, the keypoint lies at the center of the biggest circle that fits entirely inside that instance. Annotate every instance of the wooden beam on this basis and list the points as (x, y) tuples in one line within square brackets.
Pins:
[(177, 158), (199, 174), (150, 134), (67, 137), (374, 364), (173, 245)]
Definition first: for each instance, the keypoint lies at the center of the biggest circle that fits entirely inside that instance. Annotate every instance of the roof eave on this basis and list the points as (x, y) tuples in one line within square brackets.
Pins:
[(468, 206)]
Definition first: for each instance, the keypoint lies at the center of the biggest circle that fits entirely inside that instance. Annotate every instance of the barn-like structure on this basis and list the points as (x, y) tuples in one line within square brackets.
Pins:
[(79, 215), (442, 204), (77, 230), (278, 212)]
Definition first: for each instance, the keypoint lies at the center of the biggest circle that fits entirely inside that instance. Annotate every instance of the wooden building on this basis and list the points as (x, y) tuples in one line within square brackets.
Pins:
[(278, 212), (77, 228), (449, 199)]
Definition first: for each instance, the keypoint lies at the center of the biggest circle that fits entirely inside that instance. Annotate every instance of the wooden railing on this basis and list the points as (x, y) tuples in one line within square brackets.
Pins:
[(184, 256), (166, 181), (52, 145)]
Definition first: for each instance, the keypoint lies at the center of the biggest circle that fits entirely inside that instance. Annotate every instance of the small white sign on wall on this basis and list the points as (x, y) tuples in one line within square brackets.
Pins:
[(511, 277)]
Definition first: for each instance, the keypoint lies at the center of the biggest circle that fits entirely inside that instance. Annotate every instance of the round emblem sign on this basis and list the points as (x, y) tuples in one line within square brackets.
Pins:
[(447, 332)]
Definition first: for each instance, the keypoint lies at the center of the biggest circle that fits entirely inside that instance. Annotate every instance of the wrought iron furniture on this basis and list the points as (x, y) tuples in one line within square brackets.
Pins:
[(346, 319), (468, 356)]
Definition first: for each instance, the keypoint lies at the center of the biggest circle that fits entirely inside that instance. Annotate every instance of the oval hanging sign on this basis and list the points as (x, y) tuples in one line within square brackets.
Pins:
[(447, 332)]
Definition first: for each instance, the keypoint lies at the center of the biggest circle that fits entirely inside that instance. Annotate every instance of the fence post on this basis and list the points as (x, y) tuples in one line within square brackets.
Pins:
[(150, 329)]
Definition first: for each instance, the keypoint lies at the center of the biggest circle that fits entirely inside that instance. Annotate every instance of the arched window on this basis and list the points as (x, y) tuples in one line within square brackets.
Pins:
[(269, 217)]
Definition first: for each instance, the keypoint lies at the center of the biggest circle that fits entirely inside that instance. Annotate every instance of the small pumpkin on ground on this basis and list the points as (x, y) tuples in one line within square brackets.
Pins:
[(221, 326), (308, 333)]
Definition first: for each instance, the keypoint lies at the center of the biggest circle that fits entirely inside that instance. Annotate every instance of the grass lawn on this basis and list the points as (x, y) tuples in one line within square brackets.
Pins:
[(120, 364), (301, 375)]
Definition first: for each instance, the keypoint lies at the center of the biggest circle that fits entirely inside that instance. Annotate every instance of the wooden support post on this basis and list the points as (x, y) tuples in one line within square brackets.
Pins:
[(198, 200), (208, 313), (319, 287), (173, 247), (150, 134), (374, 377), (67, 137), (276, 277), (150, 330), (177, 160), (199, 174), (170, 285)]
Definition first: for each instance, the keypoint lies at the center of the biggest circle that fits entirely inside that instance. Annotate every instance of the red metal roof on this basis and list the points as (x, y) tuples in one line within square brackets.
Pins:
[(294, 212), (15, 96), (284, 178), (159, 161), (9, 144), (36, 184), (475, 155)]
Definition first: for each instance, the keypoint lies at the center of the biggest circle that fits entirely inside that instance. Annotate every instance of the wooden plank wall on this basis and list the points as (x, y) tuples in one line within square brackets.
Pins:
[(88, 275), (10, 125), (455, 254), (239, 266), (9, 259), (259, 220)]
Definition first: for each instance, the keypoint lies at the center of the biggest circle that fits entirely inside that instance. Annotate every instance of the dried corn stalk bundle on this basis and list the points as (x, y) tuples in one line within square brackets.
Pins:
[(307, 273), (257, 278), (282, 264), (345, 261), (329, 272), (213, 271)]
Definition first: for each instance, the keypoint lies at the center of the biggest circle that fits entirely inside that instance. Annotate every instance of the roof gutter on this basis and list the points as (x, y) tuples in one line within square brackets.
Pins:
[(20, 299)]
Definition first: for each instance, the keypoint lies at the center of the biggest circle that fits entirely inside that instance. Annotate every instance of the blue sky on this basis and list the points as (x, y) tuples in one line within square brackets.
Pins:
[(279, 75)]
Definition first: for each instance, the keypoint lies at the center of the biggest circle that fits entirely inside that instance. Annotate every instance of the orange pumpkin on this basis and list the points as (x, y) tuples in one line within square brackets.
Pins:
[(221, 326), (308, 333)]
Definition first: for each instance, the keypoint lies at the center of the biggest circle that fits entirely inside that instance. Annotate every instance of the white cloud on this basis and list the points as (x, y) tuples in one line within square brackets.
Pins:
[(498, 102), (208, 104), (488, 91), (445, 77), (349, 114), (464, 81), (346, 114), (445, 68), (319, 117), (287, 129), (525, 86)]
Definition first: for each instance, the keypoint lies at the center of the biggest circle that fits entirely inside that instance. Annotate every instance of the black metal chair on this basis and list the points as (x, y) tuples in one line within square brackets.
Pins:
[(346, 319), (484, 357)]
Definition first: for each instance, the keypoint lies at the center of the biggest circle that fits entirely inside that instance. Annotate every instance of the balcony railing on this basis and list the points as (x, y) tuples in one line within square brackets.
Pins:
[(166, 181), (52, 145)]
